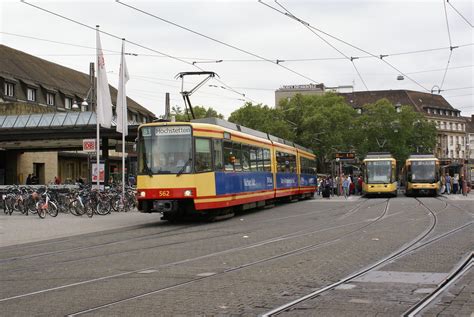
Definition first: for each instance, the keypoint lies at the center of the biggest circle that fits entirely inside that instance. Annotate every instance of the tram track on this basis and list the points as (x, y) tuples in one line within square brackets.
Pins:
[(408, 248), (293, 235), (300, 250), (164, 234), (455, 275)]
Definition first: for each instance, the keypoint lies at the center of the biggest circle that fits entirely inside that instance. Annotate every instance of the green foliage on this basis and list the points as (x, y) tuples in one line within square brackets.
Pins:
[(324, 123), (382, 128), (199, 113), (263, 118), (327, 124)]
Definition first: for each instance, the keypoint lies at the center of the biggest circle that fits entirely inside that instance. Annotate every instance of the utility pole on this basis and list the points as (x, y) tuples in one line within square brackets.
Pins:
[(167, 106)]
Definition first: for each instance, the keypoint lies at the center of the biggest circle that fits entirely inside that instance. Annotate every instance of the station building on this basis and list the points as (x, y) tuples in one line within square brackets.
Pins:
[(32, 91)]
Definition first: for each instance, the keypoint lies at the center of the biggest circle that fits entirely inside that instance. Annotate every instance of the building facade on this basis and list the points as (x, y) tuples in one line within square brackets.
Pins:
[(470, 149), (31, 85), (451, 140)]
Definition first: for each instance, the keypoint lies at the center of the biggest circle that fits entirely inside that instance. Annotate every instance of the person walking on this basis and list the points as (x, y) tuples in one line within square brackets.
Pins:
[(28, 180), (456, 183), (359, 184), (448, 184), (346, 183)]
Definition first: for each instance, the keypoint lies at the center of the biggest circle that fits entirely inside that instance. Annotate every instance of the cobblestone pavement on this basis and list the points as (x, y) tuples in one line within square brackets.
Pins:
[(244, 266)]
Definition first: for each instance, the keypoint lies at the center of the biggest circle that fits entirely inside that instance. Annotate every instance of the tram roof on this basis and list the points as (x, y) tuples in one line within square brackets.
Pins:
[(378, 155), (421, 156), (240, 128)]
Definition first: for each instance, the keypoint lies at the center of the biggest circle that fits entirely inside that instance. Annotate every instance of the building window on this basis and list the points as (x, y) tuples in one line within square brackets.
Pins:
[(31, 94), (451, 140), (462, 153), (67, 103), (9, 89), (435, 111), (428, 110), (451, 153), (134, 118), (49, 99), (450, 126)]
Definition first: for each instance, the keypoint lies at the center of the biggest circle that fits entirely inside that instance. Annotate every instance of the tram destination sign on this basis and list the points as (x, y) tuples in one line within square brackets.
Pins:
[(179, 130), (345, 156), (182, 130)]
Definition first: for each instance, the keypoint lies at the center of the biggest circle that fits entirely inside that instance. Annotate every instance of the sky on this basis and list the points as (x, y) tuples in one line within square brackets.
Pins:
[(252, 38)]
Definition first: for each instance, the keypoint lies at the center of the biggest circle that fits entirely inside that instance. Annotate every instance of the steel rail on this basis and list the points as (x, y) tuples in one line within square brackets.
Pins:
[(304, 249), (151, 236), (316, 293), (456, 274)]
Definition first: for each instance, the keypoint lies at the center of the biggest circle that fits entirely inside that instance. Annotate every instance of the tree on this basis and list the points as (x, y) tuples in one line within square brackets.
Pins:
[(263, 118), (199, 113), (382, 128), (323, 123)]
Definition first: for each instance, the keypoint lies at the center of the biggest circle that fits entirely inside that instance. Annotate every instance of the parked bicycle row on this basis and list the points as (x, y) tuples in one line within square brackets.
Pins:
[(77, 200)]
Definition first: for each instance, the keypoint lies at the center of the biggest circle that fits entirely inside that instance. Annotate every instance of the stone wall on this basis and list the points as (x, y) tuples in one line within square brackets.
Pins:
[(48, 163)]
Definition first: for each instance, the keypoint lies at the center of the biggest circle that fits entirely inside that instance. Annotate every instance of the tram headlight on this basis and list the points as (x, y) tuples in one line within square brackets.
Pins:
[(188, 193), (142, 194)]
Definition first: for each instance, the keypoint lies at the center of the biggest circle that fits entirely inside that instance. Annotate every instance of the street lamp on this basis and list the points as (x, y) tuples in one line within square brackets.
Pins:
[(75, 106)]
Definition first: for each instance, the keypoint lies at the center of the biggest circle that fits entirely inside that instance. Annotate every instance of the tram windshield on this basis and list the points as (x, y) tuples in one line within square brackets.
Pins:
[(423, 171), (165, 150), (379, 172)]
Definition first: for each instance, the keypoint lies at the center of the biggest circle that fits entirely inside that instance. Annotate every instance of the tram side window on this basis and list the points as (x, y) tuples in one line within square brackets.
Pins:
[(260, 160), (245, 158), (203, 155), (267, 163), (218, 155), (237, 150), (229, 157), (253, 159), (292, 161), (285, 162)]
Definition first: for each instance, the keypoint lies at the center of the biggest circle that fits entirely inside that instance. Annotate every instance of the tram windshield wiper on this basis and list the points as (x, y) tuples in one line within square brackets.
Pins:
[(181, 171)]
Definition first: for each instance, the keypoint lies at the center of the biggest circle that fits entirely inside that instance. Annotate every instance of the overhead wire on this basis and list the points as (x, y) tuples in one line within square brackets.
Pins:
[(469, 23), (451, 47), (133, 43), (223, 59), (381, 57), (275, 62), (351, 59)]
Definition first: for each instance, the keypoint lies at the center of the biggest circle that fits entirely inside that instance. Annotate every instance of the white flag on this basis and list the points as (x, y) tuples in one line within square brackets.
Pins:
[(122, 113), (104, 102)]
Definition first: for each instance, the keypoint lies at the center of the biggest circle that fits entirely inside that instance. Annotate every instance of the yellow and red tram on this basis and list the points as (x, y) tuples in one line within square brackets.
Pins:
[(211, 165)]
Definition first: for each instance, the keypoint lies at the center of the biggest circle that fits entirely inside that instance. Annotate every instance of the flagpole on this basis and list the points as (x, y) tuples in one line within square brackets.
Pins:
[(124, 120), (97, 123)]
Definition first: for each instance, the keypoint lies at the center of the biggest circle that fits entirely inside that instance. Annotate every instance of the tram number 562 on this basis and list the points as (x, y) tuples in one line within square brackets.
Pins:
[(164, 193)]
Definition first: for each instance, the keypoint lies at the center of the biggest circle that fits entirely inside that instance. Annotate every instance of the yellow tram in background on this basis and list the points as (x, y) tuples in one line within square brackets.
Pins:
[(379, 170), (421, 174)]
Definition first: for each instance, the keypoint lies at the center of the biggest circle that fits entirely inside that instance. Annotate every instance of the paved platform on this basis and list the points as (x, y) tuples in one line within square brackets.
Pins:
[(19, 229)]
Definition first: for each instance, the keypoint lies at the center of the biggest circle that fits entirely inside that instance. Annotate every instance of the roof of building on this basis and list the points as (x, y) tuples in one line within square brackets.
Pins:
[(419, 100), (18, 65), (469, 124)]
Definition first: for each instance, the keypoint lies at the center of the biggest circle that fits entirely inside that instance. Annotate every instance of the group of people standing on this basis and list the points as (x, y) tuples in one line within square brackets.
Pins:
[(340, 185), (453, 184)]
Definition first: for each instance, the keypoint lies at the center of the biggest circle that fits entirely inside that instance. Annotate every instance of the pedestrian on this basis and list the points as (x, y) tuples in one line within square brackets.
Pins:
[(443, 184), (57, 180), (463, 185), (360, 181), (455, 183), (28, 180), (331, 185), (345, 186), (448, 184), (34, 180)]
